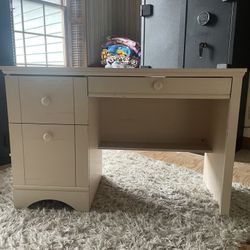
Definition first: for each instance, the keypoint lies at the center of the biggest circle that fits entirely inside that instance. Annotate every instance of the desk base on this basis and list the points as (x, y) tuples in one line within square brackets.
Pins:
[(76, 198)]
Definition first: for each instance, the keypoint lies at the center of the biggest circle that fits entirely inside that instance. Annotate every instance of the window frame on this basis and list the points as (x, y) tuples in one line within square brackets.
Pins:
[(44, 3)]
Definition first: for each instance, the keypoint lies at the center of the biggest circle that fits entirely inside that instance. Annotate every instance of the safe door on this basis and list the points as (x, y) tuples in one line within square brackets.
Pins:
[(163, 33), (209, 33)]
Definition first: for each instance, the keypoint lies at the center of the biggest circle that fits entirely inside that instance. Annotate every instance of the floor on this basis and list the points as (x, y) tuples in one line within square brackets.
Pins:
[(195, 162)]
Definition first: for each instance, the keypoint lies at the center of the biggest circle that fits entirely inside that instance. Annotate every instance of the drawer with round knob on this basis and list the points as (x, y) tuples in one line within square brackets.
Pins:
[(49, 155), (47, 100), (160, 87)]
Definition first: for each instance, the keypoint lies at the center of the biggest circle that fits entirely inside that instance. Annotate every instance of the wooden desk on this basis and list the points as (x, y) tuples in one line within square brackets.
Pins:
[(60, 119)]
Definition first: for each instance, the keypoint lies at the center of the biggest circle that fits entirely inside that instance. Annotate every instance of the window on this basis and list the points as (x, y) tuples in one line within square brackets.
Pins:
[(39, 32), (78, 34)]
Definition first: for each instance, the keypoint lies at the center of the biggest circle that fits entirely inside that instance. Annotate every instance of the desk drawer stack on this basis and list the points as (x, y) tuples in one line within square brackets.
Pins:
[(48, 119)]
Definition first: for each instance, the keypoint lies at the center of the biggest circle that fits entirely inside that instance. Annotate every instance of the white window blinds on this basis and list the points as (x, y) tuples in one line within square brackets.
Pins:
[(78, 33), (39, 32)]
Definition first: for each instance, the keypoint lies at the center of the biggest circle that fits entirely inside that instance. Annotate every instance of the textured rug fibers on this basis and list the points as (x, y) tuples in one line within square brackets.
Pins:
[(140, 204)]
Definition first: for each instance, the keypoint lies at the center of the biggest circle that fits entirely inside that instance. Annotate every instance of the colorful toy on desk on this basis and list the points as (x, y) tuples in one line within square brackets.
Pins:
[(119, 52)]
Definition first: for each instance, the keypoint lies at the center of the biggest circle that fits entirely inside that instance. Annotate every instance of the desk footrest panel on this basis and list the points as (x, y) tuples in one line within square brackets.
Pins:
[(78, 200)]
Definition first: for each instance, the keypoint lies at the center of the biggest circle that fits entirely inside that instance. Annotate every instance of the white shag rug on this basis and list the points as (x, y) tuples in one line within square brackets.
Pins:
[(140, 204)]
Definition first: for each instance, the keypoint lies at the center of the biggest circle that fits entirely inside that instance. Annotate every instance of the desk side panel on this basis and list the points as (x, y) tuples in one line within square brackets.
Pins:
[(95, 154), (214, 162), (218, 166), (17, 153), (232, 125), (13, 99), (81, 141)]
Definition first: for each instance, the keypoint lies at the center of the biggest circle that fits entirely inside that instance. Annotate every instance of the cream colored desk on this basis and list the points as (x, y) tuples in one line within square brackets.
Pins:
[(60, 119)]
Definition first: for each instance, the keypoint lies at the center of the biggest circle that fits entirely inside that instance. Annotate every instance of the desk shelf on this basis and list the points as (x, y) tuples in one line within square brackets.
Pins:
[(162, 124), (194, 148)]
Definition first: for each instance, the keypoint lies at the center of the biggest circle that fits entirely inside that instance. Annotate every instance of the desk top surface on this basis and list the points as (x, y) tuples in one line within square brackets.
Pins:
[(63, 71)]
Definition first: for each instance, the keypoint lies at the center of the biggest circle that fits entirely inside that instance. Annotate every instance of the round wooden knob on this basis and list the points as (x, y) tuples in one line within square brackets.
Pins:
[(47, 137), (158, 85), (45, 101)]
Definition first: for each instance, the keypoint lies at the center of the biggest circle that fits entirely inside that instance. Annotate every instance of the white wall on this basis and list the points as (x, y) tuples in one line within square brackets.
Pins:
[(99, 26), (126, 19)]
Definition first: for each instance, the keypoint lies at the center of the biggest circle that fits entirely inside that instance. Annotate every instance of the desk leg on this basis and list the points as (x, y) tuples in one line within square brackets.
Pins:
[(218, 166), (95, 154), (218, 178)]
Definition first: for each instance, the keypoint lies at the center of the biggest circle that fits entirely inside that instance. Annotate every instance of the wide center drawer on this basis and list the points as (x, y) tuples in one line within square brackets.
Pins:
[(159, 87), (47, 100)]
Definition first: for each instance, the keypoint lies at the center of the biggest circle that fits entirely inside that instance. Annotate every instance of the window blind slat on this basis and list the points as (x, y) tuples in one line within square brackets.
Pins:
[(78, 33)]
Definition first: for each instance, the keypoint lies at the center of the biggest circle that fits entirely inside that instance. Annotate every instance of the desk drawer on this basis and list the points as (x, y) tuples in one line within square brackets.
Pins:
[(159, 87), (47, 100), (49, 155)]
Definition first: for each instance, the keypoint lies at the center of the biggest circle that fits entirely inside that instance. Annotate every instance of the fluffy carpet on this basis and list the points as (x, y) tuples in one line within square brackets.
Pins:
[(140, 204)]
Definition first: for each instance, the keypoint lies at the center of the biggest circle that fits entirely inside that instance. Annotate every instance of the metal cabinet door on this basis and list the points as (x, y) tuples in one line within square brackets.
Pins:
[(4, 131), (209, 40), (6, 59), (163, 34)]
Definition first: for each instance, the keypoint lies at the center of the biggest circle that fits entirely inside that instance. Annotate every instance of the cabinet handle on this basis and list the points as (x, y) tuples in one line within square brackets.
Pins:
[(158, 85), (45, 101), (202, 46), (47, 137)]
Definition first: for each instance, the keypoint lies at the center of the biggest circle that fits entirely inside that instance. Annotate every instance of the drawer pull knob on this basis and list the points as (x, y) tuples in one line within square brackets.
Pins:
[(47, 137), (45, 101), (158, 85)]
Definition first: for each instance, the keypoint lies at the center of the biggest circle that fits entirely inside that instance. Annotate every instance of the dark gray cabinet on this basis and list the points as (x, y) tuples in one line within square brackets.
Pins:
[(217, 34), (193, 33), (163, 33), (6, 59), (4, 133)]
